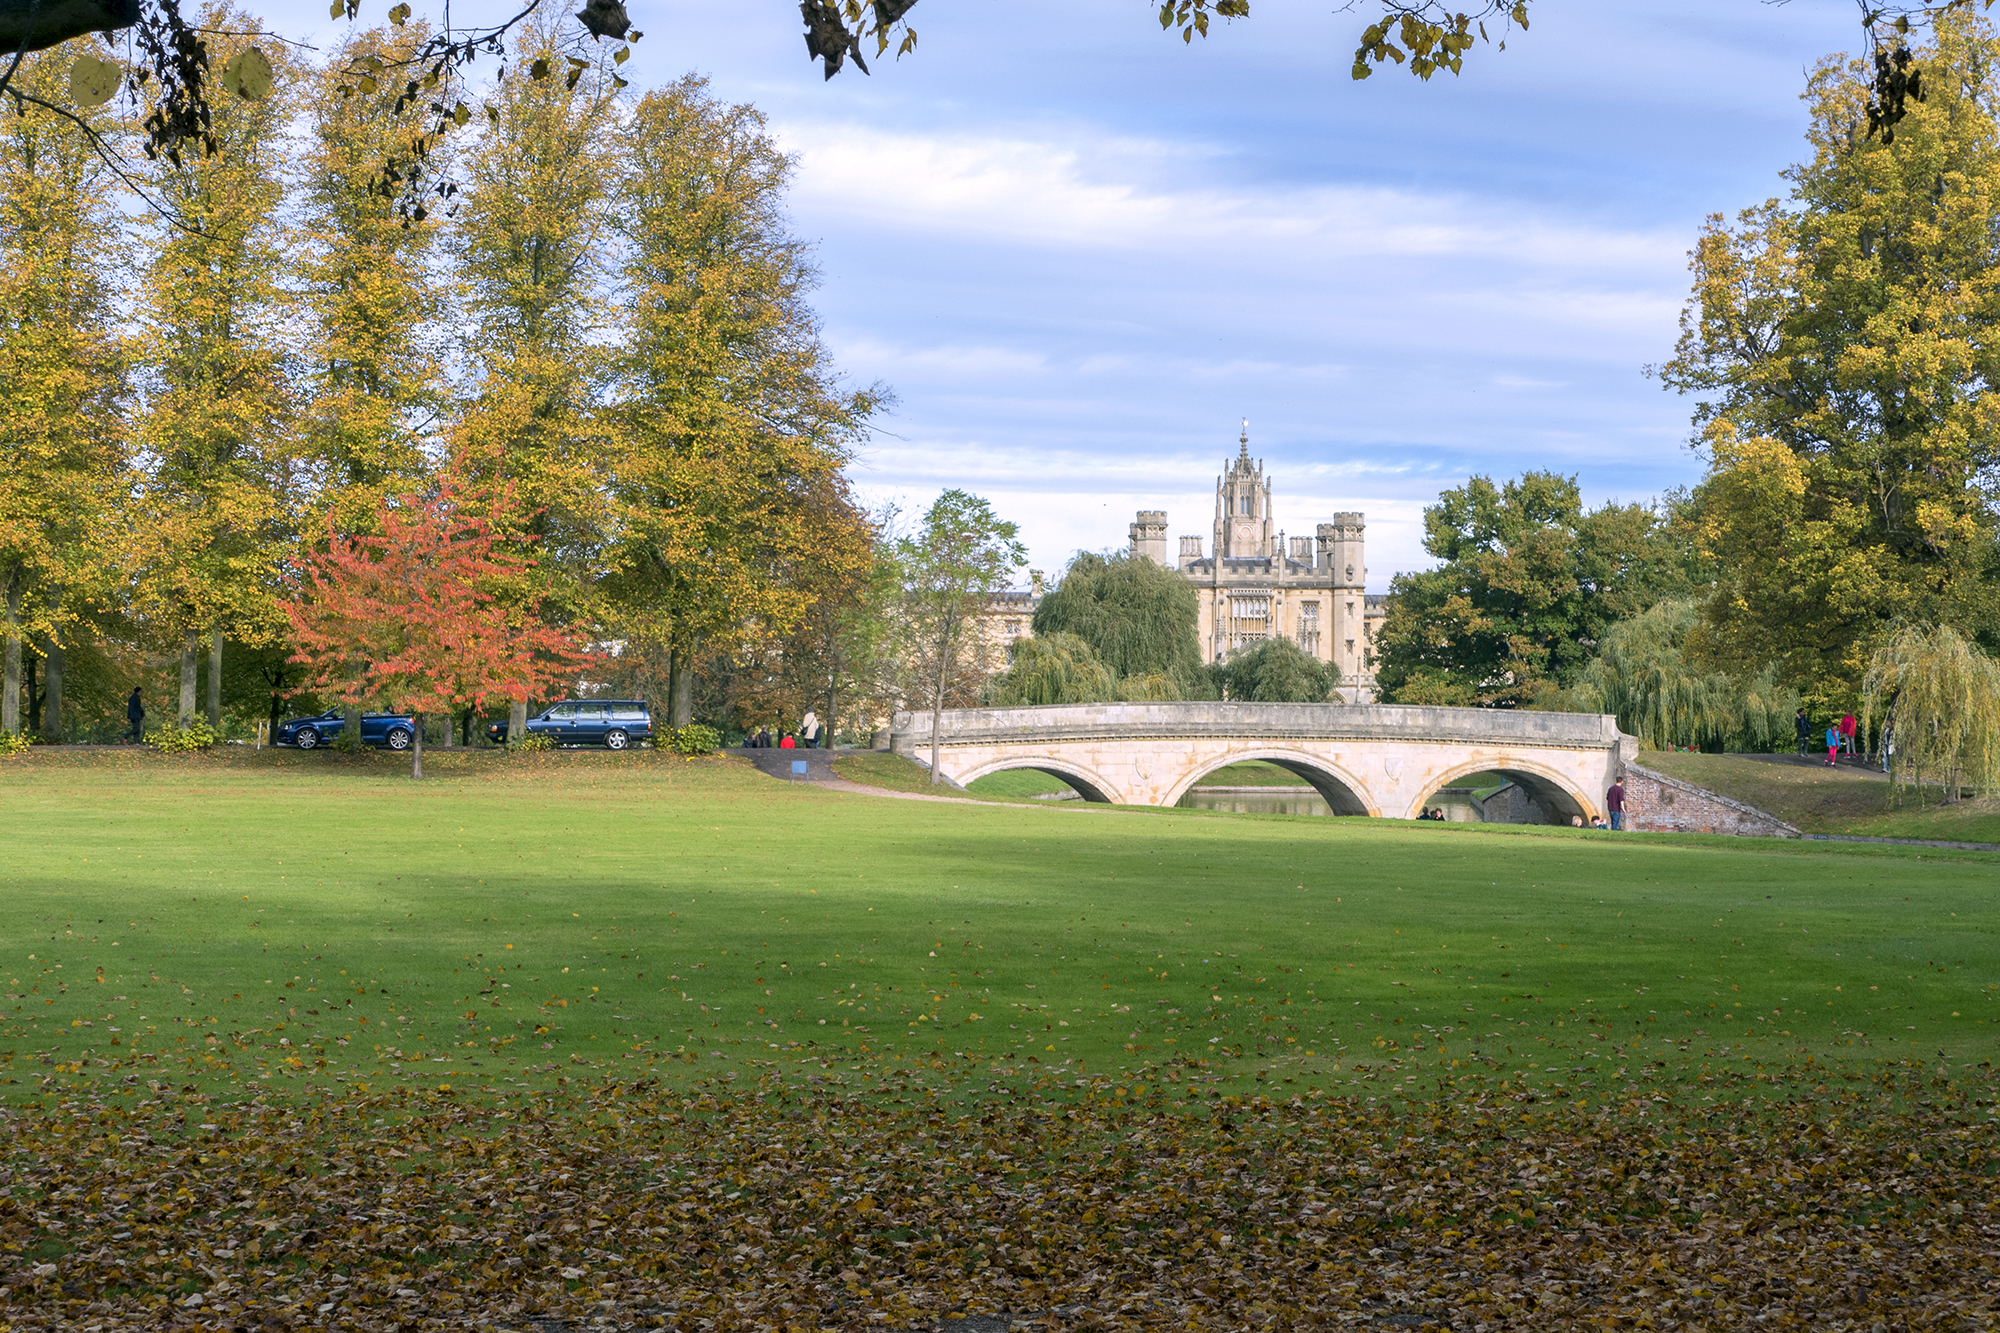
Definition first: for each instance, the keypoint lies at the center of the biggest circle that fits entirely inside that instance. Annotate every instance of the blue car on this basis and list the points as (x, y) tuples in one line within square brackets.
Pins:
[(394, 731), (612, 723)]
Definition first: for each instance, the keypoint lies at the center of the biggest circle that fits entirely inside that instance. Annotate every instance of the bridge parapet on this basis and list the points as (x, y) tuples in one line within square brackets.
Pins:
[(1329, 721), (1378, 759)]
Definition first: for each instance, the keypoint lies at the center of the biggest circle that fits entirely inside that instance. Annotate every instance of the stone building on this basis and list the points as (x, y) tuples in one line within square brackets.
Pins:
[(1256, 582)]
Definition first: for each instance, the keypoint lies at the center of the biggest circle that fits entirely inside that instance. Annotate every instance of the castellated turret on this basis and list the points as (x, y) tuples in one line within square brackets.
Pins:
[(1149, 536), (1340, 550)]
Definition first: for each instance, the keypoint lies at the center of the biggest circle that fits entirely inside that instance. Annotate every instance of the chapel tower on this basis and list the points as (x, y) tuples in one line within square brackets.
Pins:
[(1243, 506)]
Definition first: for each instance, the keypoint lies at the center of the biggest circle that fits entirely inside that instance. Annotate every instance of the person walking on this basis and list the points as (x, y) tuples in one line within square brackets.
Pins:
[(1833, 746), (1803, 725), (1614, 801), (135, 713), (1847, 734), (809, 730)]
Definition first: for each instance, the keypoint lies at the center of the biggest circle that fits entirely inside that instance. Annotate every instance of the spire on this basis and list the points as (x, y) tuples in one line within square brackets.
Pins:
[(1243, 441)]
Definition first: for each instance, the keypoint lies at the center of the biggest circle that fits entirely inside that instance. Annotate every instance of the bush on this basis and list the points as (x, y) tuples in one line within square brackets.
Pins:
[(534, 742), (195, 736), (14, 742), (697, 739)]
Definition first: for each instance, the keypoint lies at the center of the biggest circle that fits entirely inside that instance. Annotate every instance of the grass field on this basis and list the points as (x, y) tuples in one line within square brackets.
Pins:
[(290, 920), (1810, 796), (586, 1040)]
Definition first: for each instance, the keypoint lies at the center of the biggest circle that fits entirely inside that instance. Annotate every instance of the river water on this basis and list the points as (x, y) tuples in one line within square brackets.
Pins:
[(1456, 804)]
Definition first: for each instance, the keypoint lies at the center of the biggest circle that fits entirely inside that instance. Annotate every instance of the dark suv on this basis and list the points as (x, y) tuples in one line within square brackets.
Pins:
[(613, 723), (393, 730)]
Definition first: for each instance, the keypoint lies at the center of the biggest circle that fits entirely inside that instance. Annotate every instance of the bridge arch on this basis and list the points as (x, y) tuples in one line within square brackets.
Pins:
[(1341, 790), (1545, 786), (1089, 785)]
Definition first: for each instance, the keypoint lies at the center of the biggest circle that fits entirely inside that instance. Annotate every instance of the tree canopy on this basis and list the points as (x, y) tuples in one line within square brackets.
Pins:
[(1138, 617), (1277, 671), (1529, 582), (1841, 347)]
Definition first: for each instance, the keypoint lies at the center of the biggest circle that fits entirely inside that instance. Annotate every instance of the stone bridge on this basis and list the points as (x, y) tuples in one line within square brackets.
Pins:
[(1365, 759)]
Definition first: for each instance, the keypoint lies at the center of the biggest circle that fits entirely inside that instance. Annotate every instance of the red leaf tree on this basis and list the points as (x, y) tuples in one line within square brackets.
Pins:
[(434, 614)]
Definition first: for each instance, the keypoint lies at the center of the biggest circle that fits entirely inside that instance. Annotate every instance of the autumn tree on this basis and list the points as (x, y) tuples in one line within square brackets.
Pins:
[(1529, 582), (727, 514), (530, 247), (958, 557), (212, 496), (371, 360), (1841, 347), (436, 601), (61, 380)]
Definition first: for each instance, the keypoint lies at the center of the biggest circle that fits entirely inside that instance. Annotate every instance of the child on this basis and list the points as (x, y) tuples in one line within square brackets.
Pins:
[(1833, 746)]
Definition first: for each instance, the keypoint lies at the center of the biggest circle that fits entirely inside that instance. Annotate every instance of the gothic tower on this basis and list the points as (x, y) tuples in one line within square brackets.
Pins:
[(1243, 506), (1149, 536)]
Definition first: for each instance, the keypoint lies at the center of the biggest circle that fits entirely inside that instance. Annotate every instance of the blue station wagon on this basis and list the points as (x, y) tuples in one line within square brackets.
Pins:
[(613, 723), (394, 731)]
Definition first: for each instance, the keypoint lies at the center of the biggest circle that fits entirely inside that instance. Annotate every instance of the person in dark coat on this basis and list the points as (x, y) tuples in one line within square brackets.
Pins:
[(135, 713), (1803, 725)]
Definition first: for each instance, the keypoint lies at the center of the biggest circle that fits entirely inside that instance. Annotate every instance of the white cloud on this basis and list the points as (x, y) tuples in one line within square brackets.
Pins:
[(1112, 193)]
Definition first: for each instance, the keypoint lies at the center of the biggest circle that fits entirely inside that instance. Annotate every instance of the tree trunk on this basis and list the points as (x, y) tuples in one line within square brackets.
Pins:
[(350, 728), (186, 714), (10, 693), (52, 723), (417, 746), (215, 679), (517, 722), (937, 714), (680, 688), (444, 733), (29, 694)]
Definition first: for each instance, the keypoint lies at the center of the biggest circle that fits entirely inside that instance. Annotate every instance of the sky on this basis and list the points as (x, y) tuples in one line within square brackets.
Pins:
[(1081, 252)]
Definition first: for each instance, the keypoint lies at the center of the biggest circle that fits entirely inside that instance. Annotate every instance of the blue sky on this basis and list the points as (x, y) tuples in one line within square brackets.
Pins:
[(1080, 252)]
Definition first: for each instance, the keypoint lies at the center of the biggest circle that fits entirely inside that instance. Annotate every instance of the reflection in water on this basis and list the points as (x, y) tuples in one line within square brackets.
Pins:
[(1456, 802)]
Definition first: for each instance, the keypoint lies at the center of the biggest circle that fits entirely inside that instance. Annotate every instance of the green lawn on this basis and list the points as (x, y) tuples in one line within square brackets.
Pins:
[(291, 919), (1817, 799)]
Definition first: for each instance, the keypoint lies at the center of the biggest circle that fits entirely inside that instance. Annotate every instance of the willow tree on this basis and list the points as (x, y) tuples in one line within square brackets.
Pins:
[(216, 514), (1938, 697), (727, 514), (1841, 345), (1057, 668), (530, 245), (60, 380), (1137, 616), (1645, 674), (1277, 671)]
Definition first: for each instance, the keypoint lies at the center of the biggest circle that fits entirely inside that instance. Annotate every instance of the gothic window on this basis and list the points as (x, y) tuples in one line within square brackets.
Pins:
[(1250, 608), (1309, 611), (1013, 629), (1244, 505)]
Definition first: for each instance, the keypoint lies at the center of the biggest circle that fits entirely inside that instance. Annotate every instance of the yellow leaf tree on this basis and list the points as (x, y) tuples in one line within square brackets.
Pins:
[(217, 495), (726, 511), (529, 246), (1841, 345), (61, 440)]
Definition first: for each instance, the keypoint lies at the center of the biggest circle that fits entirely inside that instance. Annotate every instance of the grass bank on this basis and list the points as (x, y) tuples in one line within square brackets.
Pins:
[(297, 924), (1807, 794)]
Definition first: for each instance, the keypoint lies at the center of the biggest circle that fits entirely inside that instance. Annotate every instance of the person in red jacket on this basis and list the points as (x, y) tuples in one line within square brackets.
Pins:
[(788, 743), (1847, 734)]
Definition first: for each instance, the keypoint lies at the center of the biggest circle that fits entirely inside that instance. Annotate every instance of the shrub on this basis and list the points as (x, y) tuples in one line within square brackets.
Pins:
[(533, 743), (697, 739), (14, 742), (195, 736)]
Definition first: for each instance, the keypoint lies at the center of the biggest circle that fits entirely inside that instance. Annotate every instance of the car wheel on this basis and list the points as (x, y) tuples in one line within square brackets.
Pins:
[(307, 739), (615, 740), (399, 739)]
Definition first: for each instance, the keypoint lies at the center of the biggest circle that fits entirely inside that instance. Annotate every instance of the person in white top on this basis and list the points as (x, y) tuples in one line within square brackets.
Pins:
[(809, 730)]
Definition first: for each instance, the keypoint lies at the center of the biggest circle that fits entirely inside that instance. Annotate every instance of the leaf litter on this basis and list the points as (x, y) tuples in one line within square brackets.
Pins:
[(1056, 1203)]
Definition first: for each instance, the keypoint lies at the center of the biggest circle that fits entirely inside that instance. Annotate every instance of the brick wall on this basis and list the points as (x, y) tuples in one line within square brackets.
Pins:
[(1656, 803)]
